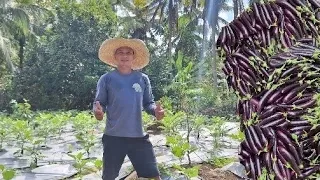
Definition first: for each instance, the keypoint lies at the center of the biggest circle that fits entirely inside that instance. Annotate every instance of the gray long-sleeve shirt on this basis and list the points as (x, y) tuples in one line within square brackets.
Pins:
[(123, 98)]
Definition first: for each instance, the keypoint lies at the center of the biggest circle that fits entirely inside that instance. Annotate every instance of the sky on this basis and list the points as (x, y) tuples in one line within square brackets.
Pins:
[(229, 15)]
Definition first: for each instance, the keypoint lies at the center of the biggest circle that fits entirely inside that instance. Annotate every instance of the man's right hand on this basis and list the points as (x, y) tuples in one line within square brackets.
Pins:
[(98, 111)]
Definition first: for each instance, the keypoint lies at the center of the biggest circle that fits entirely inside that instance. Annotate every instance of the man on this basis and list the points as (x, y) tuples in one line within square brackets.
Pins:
[(123, 93)]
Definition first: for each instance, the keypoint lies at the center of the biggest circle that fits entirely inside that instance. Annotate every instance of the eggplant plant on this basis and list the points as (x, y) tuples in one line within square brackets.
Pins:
[(59, 121), (84, 120), (7, 174), (5, 127), (217, 130), (80, 163), (43, 126), (190, 172), (98, 164), (23, 134), (179, 146), (87, 139), (172, 122), (21, 110), (35, 151)]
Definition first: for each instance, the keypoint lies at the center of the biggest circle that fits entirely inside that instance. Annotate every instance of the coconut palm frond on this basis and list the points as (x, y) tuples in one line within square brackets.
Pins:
[(5, 50), (154, 5), (128, 5), (223, 21), (20, 18), (252, 1), (226, 7), (36, 11)]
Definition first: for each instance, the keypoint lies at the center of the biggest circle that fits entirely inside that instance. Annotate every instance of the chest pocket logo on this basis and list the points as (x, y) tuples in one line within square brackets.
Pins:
[(137, 87)]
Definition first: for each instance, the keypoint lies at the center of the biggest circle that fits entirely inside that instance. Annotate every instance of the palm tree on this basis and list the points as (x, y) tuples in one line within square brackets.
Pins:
[(10, 18), (252, 1), (237, 7), (212, 21), (15, 20)]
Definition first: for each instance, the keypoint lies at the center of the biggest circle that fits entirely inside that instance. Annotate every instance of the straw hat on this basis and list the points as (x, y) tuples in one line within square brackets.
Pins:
[(109, 47)]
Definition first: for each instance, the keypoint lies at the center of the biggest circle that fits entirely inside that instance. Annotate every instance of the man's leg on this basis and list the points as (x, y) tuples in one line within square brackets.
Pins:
[(143, 159), (114, 152)]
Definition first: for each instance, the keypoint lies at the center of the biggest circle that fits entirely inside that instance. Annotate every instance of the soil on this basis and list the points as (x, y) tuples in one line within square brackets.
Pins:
[(208, 172)]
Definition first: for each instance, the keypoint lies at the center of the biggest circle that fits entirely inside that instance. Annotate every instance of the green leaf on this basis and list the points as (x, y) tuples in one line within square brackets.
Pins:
[(71, 155), (179, 61), (8, 174), (79, 156), (192, 172), (98, 164), (1, 167)]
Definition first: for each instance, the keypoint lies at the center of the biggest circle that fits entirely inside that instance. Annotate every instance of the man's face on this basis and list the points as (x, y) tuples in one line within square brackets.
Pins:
[(124, 57)]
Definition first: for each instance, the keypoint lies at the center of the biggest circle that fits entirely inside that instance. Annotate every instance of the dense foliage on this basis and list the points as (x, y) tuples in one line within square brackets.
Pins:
[(56, 65)]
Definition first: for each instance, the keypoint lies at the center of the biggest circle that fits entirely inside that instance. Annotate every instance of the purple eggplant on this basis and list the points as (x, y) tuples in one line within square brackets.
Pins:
[(282, 136), (282, 168), (301, 128), (293, 150), (257, 14), (299, 123), (286, 5), (273, 123), (277, 171), (252, 169), (257, 166), (296, 113), (303, 100), (261, 135), (251, 142), (290, 159), (294, 92), (241, 27), (309, 172), (232, 38), (271, 118), (314, 130), (315, 3), (274, 97), (264, 98), (256, 138)]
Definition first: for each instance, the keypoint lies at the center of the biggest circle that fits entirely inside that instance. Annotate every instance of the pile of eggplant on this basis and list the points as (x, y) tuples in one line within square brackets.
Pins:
[(271, 56)]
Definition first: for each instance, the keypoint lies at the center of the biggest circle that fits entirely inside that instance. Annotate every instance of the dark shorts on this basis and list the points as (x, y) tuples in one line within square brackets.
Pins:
[(139, 150)]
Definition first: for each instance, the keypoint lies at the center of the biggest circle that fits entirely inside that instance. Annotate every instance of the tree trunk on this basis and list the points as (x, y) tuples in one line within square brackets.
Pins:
[(5, 52), (235, 9), (170, 35), (214, 63), (213, 8), (22, 43)]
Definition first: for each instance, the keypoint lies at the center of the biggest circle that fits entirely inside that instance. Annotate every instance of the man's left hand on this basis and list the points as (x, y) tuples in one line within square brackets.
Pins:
[(159, 111)]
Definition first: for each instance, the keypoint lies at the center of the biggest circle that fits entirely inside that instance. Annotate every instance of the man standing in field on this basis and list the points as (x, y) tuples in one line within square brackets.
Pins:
[(123, 93)]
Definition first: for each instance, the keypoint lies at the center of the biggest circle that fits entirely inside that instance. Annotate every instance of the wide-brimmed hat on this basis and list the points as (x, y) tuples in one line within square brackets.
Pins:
[(108, 48)]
